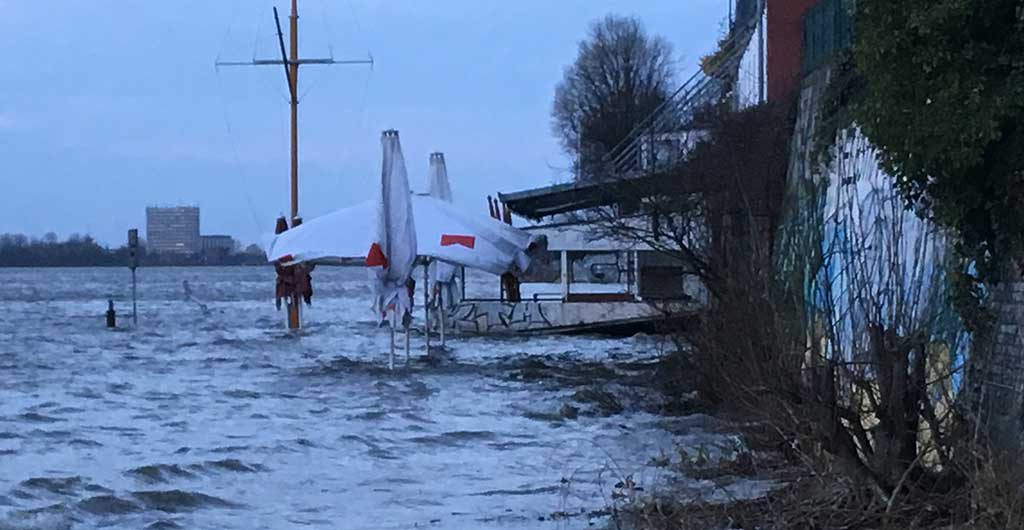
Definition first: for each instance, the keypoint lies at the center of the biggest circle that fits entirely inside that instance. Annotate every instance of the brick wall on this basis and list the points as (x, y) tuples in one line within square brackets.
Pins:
[(785, 46), (1002, 377)]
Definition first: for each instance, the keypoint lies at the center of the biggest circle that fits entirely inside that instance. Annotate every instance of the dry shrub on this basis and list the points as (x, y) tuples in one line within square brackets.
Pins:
[(857, 392)]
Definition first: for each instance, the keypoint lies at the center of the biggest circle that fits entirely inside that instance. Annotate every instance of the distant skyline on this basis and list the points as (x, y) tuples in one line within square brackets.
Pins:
[(110, 106)]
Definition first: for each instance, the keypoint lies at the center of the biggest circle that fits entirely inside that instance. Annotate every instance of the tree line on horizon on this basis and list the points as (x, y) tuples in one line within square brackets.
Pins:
[(19, 250)]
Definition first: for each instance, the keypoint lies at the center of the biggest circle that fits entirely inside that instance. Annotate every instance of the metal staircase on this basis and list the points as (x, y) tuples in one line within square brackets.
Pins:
[(665, 137)]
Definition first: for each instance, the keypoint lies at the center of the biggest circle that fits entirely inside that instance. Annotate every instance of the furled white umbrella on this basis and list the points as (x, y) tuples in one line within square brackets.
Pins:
[(441, 273), (390, 232), (437, 176), (392, 253)]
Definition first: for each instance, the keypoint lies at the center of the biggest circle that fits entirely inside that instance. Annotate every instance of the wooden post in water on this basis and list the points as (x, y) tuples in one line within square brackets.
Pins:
[(111, 314)]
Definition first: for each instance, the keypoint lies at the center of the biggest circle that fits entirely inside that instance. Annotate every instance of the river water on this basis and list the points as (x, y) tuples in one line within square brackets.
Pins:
[(217, 418)]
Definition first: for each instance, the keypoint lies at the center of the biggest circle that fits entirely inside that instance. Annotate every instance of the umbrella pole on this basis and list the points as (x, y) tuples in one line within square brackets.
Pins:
[(440, 300), (407, 341), (391, 354), (426, 302)]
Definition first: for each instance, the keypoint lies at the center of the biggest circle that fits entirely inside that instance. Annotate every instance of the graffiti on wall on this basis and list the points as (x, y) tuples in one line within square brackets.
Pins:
[(498, 317)]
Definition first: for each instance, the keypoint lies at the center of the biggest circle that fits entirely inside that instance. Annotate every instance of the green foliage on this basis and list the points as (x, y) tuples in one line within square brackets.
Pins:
[(943, 100), (839, 99)]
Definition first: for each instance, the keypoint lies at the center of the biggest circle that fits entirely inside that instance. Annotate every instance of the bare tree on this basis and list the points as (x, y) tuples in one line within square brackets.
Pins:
[(620, 76), (853, 357)]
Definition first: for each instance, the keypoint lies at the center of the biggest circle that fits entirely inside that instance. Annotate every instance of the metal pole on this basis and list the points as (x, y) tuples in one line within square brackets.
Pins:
[(407, 343), (565, 275), (760, 55), (579, 149), (426, 302), (440, 300), (391, 352), (135, 309)]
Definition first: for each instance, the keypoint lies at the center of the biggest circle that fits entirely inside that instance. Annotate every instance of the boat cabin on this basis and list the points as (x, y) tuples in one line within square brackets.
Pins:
[(585, 280)]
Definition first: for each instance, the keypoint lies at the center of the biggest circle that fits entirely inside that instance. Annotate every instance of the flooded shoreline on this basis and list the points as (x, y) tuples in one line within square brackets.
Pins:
[(220, 419)]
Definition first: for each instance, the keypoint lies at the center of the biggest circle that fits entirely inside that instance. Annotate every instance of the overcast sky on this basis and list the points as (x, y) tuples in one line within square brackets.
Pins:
[(107, 106)]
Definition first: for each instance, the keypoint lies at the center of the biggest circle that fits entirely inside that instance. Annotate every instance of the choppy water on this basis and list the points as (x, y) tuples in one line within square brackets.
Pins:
[(220, 419)]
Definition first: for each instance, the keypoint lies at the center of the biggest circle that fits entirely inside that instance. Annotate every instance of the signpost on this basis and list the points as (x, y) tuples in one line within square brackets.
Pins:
[(133, 263)]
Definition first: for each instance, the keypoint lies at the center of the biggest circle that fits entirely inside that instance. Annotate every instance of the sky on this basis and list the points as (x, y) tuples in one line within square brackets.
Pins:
[(109, 106)]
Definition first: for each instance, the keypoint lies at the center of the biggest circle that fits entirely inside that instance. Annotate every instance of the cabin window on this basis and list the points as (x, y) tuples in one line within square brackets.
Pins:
[(545, 267), (602, 268), (661, 276), (628, 206)]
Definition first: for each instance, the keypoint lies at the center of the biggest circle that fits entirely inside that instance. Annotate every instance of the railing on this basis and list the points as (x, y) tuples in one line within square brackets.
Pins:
[(828, 29), (675, 123)]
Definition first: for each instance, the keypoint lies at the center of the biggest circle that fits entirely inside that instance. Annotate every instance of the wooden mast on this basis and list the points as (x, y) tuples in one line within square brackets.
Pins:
[(291, 63), (293, 67)]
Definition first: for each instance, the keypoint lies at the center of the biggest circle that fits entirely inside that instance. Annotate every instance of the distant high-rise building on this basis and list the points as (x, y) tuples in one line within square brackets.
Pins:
[(173, 230)]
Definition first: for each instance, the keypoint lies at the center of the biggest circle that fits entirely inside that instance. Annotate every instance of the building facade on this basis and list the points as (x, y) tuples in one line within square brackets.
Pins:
[(173, 230), (785, 48), (218, 244)]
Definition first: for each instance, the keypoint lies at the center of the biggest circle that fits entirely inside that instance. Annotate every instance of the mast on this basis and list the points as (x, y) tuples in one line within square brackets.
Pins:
[(293, 67), (291, 62)]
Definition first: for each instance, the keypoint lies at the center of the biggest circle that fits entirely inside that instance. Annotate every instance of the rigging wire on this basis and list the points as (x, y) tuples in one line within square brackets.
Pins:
[(327, 28), (236, 158), (282, 123)]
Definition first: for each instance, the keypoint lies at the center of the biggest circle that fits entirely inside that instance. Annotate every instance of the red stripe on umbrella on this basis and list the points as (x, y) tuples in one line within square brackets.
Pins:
[(375, 257), (448, 240)]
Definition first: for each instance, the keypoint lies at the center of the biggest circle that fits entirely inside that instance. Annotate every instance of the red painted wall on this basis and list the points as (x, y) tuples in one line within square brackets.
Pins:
[(785, 46)]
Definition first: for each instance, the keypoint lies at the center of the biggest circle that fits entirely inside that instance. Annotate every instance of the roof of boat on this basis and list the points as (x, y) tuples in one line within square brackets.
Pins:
[(538, 203), (559, 198)]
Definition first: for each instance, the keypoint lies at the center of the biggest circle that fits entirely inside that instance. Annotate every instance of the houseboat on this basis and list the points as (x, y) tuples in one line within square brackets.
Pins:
[(586, 280)]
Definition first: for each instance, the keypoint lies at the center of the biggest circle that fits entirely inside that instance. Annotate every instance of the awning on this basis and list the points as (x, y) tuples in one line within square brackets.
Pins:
[(442, 232)]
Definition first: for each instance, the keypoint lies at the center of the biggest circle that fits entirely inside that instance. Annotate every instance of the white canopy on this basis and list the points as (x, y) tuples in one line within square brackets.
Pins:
[(442, 232)]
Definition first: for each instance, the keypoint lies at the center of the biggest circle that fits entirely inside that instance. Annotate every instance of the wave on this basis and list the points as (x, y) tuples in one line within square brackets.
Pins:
[(172, 501), (160, 473), (454, 438), (231, 464), (524, 491), (242, 394), (49, 434), (164, 473), (35, 417), (57, 485), (108, 505)]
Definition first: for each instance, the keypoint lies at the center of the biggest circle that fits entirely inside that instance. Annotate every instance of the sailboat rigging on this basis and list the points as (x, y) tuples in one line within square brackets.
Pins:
[(293, 283)]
